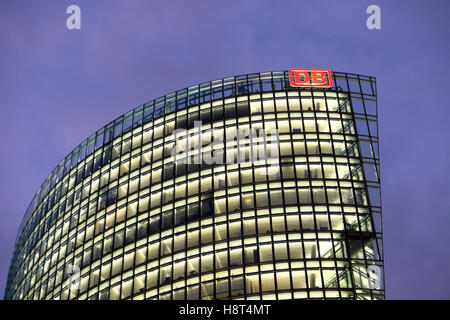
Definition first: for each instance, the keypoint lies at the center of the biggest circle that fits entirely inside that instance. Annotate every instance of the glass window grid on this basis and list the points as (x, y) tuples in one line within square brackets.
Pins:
[(277, 78), (107, 146)]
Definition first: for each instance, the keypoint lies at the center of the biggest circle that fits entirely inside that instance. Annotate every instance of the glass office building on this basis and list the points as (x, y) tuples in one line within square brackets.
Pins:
[(121, 218)]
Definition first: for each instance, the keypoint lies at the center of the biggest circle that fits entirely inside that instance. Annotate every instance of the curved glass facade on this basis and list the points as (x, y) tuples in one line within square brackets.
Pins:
[(125, 217)]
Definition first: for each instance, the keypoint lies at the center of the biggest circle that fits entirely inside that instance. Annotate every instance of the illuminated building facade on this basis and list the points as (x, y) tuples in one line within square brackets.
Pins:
[(118, 218)]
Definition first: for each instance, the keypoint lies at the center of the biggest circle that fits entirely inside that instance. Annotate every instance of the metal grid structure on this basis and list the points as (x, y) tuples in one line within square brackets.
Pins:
[(140, 226)]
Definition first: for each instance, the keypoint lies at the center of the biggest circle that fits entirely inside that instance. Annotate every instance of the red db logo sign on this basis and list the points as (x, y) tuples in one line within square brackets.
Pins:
[(310, 78)]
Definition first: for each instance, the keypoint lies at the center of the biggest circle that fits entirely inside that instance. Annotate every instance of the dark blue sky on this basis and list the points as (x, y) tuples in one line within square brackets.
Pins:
[(57, 86)]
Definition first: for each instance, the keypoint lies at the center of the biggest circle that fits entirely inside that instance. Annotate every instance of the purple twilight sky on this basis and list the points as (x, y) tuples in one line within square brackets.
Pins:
[(57, 86)]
